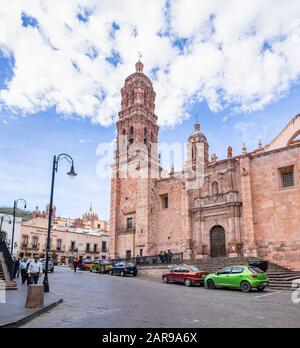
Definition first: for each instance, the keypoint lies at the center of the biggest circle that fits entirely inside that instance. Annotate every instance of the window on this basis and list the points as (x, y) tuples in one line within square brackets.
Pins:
[(95, 248), (165, 201), (226, 270), (87, 247), (104, 247), (25, 241), (129, 223), (128, 253), (58, 244), (287, 176), (237, 270), (72, 246), (35, 241), (141, 252)]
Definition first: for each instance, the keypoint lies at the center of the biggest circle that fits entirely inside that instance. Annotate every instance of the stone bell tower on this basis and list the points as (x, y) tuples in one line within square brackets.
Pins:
[(136, 165)]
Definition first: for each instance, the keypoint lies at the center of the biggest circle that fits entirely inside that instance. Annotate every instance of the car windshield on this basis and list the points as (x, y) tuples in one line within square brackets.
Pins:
[(129, 264), (195, 269), (255, 270)]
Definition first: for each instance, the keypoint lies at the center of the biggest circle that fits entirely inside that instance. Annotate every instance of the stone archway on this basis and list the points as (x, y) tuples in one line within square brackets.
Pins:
[(217, 242)]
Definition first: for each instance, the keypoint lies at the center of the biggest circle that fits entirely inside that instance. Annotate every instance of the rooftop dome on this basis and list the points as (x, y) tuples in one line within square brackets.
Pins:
[(90, 215)]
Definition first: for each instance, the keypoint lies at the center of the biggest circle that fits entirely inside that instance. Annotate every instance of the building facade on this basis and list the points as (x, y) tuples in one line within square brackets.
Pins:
[(246, 205), (84, 238), (6, 231)]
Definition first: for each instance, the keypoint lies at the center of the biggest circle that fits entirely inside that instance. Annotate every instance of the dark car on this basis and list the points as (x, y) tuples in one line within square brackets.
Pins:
[(185, 274), (123, 268), (50, 265), (261, 264)]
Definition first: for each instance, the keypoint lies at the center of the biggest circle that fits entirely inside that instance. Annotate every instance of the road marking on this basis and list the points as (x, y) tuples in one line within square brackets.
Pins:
[(265, 295)]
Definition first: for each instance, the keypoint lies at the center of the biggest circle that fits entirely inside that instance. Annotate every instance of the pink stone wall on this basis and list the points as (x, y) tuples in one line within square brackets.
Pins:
[(276, 211)]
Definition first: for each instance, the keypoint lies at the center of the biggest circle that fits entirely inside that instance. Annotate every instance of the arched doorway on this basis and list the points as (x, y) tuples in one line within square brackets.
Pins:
[(217, 242)]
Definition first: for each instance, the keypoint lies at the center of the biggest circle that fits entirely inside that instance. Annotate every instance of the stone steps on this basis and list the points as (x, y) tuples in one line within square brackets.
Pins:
[(9, 284)]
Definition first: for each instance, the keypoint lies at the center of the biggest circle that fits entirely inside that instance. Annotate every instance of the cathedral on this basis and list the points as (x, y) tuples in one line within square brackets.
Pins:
[(245, 205)]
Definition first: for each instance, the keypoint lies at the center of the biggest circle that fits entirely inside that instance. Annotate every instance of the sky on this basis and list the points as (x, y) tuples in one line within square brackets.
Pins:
[(235, 65)]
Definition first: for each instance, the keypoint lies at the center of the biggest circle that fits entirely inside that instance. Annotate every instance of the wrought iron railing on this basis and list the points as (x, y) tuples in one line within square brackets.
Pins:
[(153, 260), (8, 259)]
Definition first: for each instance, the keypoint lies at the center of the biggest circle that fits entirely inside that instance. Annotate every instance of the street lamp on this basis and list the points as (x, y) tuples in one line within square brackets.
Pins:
[(72, 175), (14, 222)]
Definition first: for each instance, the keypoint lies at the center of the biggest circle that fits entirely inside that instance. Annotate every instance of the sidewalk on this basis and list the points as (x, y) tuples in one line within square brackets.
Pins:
[(13, 313)]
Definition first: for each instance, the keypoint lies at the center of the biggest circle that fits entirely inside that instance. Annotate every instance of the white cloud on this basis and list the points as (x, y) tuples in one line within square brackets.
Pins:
[(235, 54)]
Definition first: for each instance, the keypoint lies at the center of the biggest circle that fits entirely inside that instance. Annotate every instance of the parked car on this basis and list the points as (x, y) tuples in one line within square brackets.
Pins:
[(263, 265), (86, 265), (95, 267), (245, 278), (105, 266), (123, 268), (50, 265), (185, 274)]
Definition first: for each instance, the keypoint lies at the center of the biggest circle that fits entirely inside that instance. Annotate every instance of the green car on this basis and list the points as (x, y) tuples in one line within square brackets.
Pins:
[(95, 267), (245, 278)]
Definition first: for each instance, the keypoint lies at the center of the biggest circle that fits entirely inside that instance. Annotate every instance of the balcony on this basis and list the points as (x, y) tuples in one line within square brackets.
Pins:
[(92, 251), (126, 230)]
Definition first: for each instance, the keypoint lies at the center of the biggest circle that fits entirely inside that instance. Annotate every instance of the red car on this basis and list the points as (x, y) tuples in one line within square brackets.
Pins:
[(185, 274)]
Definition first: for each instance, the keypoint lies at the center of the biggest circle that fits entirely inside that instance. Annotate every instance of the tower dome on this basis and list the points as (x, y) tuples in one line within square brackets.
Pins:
[(90, 215), (36, 213)]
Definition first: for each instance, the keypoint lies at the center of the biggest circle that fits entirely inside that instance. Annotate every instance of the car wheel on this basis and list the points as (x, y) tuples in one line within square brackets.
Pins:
[(245, 287), (122, 274), (261, 289), (187, 282), (210, 284), (166, 279)]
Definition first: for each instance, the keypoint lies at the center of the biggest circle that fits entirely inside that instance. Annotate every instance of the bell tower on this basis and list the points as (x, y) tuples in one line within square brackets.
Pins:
[(136, 165)]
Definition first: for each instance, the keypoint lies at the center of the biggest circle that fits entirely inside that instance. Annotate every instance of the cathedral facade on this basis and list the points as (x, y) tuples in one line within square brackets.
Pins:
[(245, 205)]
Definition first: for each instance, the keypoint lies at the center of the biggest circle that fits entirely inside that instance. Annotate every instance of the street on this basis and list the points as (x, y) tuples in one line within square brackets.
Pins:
[(103, 301)]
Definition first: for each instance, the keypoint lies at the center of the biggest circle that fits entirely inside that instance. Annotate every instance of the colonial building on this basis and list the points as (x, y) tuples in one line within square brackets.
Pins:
[(87, 237), (246, 205)]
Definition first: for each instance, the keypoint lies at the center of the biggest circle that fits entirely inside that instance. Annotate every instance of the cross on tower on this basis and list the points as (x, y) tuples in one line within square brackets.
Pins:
[(140, 55)]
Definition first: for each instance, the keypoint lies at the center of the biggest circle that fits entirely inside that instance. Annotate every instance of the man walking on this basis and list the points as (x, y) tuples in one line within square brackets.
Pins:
[(169, 256), (35, 269), (75, 264), (23, 268)]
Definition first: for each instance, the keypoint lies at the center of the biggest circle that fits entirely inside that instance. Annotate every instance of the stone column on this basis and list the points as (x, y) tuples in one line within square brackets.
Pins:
[(248, 236)]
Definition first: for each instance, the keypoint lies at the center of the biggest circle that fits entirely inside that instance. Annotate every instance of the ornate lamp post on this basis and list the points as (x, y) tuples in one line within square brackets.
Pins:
[(14, 222), (72, 175)]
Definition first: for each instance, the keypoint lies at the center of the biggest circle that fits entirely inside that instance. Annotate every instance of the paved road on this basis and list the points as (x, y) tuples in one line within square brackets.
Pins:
[(100, 301)]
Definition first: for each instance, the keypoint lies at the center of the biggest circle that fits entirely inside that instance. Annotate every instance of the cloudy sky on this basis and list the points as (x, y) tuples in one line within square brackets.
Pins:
[(236, 64)]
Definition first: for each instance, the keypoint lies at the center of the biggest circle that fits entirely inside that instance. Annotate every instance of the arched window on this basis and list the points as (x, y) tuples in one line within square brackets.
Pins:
[(131, 134), (215, 188), (145, 135)]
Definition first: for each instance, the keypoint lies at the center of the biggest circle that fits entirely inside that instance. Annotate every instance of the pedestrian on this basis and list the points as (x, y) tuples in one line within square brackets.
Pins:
[(35, 269), (165, 258), (169, 256), (138, 259), (161, 257), (17, 268), (23, 269), (75, 264)]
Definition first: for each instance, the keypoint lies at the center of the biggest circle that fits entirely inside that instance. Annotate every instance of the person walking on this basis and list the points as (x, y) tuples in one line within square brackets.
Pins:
[(23, 269), (35, 269), (17, 268), (75, 264), (161, 257), (169, 256), (165, 258)]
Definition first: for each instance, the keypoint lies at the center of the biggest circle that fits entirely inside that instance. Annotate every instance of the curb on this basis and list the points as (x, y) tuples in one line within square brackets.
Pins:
[(31, 316)]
